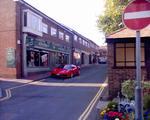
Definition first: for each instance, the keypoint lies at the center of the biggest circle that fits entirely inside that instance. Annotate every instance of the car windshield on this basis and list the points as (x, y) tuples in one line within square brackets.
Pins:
[(64, 66)]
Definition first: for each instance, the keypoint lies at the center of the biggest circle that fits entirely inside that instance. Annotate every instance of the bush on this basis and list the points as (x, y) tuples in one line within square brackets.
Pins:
[(146, 102), (128, 88)]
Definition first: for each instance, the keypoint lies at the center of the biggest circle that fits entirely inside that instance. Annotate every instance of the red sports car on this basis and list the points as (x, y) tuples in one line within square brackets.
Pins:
[(65, 70)]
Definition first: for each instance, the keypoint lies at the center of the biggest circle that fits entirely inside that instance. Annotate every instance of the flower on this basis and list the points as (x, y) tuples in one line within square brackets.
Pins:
[(109, 113), (127, 116), (103, 112), (120, 114)]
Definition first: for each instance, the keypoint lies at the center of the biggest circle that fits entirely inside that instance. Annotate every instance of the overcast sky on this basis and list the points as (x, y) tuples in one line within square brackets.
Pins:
[(80, 15)]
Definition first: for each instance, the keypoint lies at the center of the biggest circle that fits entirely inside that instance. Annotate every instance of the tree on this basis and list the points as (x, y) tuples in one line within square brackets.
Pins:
[(111, 20)]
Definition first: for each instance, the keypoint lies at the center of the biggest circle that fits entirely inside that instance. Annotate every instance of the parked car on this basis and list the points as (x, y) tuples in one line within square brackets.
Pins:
[(102, 60), (65, 70)]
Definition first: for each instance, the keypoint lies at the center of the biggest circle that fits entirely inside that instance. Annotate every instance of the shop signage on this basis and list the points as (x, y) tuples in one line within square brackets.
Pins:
[(32, 42), (10, 57)]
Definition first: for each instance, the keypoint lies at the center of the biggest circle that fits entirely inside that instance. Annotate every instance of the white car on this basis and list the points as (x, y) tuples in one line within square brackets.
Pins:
[(102, 61)]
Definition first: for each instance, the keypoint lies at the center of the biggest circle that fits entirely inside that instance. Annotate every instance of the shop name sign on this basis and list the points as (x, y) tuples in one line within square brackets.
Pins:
[(32, 42), (44, 44)]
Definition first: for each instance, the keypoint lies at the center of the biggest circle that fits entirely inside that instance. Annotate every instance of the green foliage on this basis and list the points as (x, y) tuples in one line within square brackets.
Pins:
[(113, 106), (128, 88), (112, 17), (146, 102)]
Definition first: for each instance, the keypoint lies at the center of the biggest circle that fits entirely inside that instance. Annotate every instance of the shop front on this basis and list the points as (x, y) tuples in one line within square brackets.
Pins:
[(41, 55), (85, 57), (77, 57)]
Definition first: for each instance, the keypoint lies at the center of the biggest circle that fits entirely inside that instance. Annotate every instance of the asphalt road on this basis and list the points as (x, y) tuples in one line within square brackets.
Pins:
[(54, 98)]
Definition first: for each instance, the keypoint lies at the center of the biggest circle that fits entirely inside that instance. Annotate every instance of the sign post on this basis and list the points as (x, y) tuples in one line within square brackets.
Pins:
[(138, 89), (136, 16)]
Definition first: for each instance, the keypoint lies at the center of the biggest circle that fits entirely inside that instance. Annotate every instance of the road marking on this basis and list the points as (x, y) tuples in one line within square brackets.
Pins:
[(8, 95), (88, 110), (8, 91), (68, 84)]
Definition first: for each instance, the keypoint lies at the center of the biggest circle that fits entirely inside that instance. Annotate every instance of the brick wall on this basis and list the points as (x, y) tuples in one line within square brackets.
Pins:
[(116, 76), (7, 35)]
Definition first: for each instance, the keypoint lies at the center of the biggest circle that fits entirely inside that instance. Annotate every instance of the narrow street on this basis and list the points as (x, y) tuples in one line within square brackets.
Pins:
[(54, 98)]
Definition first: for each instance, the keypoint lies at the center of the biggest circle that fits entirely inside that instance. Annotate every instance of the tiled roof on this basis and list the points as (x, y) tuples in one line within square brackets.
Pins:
[(127, 33)]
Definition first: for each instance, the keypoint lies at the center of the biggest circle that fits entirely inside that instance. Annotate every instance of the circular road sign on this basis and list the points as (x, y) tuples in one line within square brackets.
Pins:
[(136, 15)]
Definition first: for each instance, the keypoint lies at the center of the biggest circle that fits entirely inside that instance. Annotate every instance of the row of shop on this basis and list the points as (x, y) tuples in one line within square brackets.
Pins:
[(45, 54), (33, 42)]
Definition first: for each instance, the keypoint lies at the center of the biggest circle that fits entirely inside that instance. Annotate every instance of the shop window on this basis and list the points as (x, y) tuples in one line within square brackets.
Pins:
[(65, 59), (33, 58), (43, 59), (53, 59), (37, 58), (125, 55)]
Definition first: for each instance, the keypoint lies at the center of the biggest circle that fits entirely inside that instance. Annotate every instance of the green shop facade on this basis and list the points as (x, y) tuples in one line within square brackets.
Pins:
[(40, 55)]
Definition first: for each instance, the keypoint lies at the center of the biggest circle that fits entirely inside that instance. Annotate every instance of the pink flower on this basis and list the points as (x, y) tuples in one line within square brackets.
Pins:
[(120, 114)]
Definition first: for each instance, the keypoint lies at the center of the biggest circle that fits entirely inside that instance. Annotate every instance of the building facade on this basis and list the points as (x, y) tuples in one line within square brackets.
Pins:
[(121, 58), (32, 42)]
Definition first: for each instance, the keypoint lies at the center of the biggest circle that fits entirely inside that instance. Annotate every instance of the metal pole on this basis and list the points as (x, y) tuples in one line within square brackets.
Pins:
[(138, 89)]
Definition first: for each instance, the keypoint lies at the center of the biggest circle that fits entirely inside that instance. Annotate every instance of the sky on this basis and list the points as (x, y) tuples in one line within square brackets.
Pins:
[(80, 15)]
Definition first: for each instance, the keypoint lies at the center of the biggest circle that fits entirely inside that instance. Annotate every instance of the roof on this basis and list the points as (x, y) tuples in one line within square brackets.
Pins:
[(127, 33)]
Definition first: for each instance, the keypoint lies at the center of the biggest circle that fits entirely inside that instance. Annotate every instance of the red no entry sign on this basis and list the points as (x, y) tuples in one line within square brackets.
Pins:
[(136, 15)]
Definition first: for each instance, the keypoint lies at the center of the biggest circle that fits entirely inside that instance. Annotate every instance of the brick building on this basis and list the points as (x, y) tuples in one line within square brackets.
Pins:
[(122, 57), (32, 42)]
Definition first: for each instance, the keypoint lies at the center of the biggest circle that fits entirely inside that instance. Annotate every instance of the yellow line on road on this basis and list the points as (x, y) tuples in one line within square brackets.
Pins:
[(8, 91), (88, 110), (8, 95)]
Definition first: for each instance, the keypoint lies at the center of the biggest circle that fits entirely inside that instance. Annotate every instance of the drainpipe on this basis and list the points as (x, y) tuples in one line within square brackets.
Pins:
[(24, 54), (72, 48)]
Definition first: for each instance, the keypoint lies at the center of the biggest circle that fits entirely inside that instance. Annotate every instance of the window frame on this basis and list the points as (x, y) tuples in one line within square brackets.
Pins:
[(75, 38), (67, 38), (125, 61), (53, 32), (61, 35), (45, 28)]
